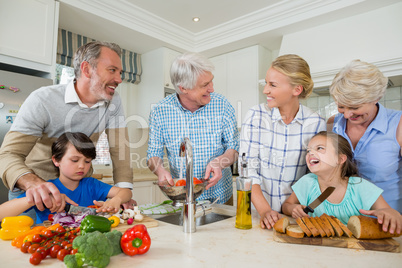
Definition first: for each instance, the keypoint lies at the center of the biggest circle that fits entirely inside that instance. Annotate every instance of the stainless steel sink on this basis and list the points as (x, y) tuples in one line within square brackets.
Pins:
[(177, 219), (218, 213)]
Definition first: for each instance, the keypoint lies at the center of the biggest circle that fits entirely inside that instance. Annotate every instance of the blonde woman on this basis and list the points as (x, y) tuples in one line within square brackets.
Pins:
[(275, 135), (373, 131)]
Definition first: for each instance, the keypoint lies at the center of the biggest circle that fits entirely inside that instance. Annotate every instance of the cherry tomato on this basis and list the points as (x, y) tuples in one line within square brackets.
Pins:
[(49, 233), (25, 246), (32, 248), (37, 238), (64, 243), (71, 237), (60, 229), (181, 183), (62, 253), (50, 217), (42, 252), (69, 247), (74, 251), (54, 250), (196, 181), (35, 258)]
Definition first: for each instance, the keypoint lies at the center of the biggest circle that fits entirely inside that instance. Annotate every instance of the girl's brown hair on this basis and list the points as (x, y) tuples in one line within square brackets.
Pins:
[(341, 145)]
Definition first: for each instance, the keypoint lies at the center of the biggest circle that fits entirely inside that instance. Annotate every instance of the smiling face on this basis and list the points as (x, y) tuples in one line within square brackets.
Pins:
[(106, 76), (362, 114), (73, 165), (322, 158), (200, 95), (278, 89)]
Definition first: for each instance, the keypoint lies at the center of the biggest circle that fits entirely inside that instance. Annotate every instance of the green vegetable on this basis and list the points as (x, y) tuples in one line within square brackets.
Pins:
[(93, 223), (94, 249), (114, 237)]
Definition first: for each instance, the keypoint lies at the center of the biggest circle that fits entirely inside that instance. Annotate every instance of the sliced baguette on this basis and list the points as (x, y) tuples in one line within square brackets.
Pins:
[(311, 226), (320, 230), (327, 224), (294, 231), (364, 227), (303, 226), (323, 226), (281, 224), (337, 228), (345, 229)]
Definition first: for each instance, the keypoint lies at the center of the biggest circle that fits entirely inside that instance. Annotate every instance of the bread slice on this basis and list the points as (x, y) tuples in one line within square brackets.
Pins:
[(311, 226), (364, 227), (320, 230), (337, 228), (323, 226), (345, 229), (328, 225), (303, 226), (281, 224), (294, 231)]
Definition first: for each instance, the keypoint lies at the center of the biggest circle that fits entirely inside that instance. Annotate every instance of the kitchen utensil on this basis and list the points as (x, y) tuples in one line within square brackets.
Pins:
[(319, 200), (178, 193), (74, 210)]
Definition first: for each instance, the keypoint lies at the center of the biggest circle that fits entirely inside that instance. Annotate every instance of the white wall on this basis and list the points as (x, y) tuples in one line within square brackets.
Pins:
[(374, 37)]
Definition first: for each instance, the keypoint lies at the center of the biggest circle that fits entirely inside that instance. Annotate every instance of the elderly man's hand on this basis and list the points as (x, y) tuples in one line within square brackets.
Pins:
[(216, 170)]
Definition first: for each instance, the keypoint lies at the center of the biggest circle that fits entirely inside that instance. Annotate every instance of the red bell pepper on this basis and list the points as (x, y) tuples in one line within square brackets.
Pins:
[(135, 240)]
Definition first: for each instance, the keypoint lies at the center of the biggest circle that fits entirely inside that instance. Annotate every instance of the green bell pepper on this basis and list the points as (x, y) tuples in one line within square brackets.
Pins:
[(93, 223)]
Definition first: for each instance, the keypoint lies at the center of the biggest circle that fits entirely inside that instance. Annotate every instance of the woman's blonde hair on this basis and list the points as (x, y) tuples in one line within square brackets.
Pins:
[(357, 83), (297, 70)]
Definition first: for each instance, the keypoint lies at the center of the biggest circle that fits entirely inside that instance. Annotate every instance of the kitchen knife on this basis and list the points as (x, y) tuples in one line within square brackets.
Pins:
[(319, 200), (70, 209)]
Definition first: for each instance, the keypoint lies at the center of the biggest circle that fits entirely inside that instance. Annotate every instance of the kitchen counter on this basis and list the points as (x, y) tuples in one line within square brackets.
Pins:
[(220, 244)]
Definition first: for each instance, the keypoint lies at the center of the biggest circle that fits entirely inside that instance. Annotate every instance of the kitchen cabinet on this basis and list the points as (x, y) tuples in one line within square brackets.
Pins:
[(236, 77), (155, 79), (31, 42), (145, 192)]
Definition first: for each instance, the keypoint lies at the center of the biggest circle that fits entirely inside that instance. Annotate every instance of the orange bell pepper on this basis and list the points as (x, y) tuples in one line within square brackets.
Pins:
[(19, 240)]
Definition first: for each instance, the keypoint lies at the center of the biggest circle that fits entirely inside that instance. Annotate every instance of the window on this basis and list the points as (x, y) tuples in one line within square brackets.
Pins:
[(64, 75)]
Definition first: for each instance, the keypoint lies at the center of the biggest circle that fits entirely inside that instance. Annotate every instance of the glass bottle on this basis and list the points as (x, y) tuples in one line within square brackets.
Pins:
[(243, 185)]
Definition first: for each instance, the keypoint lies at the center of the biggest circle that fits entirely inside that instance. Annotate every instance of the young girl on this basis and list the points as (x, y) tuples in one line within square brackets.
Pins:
[(275, 134), (329, 158), (72, 154)]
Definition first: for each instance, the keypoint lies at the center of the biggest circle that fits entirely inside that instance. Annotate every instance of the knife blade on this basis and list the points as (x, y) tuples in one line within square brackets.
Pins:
[(75, 210), (319, 200)]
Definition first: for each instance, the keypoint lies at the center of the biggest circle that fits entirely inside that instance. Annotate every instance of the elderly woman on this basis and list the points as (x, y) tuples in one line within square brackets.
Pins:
[(373, 131)]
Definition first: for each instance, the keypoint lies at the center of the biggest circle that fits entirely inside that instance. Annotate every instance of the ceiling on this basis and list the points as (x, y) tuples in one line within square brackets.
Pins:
[(224, 26)]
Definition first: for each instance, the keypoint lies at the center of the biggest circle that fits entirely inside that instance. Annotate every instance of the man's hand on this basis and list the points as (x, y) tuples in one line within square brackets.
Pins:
[(215, 168), (41, 193)]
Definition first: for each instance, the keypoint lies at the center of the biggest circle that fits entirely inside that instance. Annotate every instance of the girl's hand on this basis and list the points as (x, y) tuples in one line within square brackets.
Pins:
[(390, 219), (297, 212), (111, 205), (269, 218)]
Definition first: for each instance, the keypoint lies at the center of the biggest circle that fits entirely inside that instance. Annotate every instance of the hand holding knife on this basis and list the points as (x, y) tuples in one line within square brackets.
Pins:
[(319, 200)]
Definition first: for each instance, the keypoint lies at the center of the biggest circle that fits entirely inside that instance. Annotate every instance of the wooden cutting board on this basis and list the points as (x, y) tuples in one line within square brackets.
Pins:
[(147, 221), (388, 245)]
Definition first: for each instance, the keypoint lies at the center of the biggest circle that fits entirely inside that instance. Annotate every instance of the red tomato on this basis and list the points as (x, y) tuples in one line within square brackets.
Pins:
[(50, 217), (196, 181), (69, 247), (42, 251), (49, 233), (25, 246), (60, 229), (181, 183), (54, 250), (62, 253), (74, 251), (32, 248), (35, 258), (37, 238)]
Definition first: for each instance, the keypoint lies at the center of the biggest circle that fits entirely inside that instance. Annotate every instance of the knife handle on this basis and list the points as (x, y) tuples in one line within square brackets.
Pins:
[(308, 209), (67, 207)]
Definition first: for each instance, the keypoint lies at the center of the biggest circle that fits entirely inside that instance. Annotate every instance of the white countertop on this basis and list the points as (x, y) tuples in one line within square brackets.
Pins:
[(220, 244)]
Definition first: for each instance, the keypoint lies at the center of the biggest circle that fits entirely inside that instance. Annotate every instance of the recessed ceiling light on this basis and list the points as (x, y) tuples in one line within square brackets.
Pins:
[(196, 19)]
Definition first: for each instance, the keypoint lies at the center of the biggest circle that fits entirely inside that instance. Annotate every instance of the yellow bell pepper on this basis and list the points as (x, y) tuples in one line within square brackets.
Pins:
[(115, 221), (12, 227)]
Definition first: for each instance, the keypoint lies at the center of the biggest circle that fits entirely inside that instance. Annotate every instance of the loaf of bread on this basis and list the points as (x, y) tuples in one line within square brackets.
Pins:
[(345, 229), (309, 225), (281, 224), (303, 226), (337, 229), (294, 231), (364, 227)]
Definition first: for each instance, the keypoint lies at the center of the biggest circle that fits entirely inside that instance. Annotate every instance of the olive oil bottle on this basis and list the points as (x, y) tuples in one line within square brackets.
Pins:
[(243, 185)]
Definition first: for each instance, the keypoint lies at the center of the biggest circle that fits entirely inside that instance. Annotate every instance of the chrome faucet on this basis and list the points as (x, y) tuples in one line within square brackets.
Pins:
[(189, 206)]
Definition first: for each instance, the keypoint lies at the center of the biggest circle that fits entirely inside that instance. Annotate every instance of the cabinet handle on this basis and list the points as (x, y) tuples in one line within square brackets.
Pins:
[(167, 85)]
